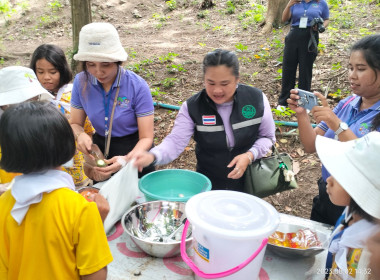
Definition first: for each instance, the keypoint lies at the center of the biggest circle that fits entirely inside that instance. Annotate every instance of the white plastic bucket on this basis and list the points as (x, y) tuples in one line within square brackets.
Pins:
[(230, 231)]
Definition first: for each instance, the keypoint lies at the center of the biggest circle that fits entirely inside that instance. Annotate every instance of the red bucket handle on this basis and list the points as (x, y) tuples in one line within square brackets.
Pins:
[(202, 274)]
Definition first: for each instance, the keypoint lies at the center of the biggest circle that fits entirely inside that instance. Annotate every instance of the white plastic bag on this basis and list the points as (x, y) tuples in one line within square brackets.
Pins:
[(120, 190)]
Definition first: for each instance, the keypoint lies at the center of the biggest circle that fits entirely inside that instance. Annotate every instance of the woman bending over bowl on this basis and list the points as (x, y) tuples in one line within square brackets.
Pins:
[(232, 125)]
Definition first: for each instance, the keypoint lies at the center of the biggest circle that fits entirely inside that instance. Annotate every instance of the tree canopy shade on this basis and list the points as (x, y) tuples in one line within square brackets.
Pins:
[(80, 16), (274, 14)]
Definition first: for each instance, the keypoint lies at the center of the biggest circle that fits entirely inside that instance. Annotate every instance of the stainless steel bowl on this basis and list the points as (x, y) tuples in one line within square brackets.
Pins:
[(148, 224), (288, 252)]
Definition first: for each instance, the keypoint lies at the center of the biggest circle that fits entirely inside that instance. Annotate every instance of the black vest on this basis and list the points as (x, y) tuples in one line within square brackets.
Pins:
[(212, 152)]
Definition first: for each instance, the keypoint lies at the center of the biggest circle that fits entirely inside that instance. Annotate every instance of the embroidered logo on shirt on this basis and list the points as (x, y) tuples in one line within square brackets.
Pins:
[(364, 128), (123, 102), (248, 111), (209, 120)]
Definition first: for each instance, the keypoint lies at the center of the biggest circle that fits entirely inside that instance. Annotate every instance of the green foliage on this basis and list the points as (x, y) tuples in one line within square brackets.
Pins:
[(240, 47), (230, 7), (287, 113), (253, 16), (24, 5), (55, 5), (171, 4), (160, 18), (279, 77), (203, 14), (336, 66), (168, 58), (131, 53), (6, 9), (136, 67), (2, 60), (217, 28), (175, 68), (156, 91), (169, 82)]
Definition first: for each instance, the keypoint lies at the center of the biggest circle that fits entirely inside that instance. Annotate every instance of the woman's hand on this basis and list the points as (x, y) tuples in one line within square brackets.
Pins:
[(293, 102), (84, 143), (241, 163), (324, 113), (142, 158), (293, 2), (114, 165)]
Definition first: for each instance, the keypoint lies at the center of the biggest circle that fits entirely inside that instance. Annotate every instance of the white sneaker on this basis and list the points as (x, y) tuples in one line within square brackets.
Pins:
[(281, 108)]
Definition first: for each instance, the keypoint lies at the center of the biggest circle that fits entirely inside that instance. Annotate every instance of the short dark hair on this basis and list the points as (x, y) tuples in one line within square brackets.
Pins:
[(222, 57), (34, 136), (370, 47), (55, 56)]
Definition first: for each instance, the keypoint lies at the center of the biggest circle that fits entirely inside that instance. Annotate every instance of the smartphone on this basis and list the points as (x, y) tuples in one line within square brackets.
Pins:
[(307, 99)]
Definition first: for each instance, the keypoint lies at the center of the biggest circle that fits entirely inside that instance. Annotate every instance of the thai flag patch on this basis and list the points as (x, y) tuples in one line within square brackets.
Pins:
[(209, 120)]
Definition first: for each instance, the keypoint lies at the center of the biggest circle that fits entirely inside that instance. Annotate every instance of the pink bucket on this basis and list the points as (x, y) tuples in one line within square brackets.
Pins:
[(230, 231)]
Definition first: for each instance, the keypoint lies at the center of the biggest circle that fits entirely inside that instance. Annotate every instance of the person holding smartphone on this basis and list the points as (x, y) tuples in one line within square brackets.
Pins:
[(352, 118), (301, 43)]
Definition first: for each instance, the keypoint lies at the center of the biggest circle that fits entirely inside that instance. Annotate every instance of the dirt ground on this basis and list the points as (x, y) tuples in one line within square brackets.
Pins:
[(166, 45)]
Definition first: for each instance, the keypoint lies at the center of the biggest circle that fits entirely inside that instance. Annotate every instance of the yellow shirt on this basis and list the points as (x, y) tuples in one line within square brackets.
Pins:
[(6, 177), (62, 237)]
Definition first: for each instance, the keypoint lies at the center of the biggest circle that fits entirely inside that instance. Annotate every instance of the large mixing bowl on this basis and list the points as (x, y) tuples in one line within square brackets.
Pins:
[(173, 184), (149, 225)]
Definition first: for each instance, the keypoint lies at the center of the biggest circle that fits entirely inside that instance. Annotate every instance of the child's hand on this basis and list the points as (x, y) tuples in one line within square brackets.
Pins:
[(103, 205)]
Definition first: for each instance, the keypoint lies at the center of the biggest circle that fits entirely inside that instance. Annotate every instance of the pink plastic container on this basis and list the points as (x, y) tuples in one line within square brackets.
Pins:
[(230, 231)]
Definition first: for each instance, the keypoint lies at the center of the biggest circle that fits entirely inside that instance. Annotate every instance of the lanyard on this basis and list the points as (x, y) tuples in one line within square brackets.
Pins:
[(106, 104), (306, 6)]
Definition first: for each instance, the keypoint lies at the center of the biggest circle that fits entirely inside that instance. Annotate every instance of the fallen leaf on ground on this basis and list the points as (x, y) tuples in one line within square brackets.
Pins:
[(301, 152), (296, 167)]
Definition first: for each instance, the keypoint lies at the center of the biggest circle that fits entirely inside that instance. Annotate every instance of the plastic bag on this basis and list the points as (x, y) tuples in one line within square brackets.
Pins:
[(121, 190), (302, 239)]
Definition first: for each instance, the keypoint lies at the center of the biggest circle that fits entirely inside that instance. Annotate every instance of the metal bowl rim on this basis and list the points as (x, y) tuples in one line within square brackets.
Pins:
[(143, 240)]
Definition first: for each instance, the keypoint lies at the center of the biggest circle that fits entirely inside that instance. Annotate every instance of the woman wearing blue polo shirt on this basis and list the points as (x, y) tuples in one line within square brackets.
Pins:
[(301, 44), (353, 117), (118, 102)]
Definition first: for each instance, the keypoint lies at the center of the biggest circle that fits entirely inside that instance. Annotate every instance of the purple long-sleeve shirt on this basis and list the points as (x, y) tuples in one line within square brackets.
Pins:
[(174, 144)]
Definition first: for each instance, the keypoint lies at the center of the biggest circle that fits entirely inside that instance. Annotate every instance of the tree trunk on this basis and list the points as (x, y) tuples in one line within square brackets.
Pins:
[(80, 16), (274, 14)]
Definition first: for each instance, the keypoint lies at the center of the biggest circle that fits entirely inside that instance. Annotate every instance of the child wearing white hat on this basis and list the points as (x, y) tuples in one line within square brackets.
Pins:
[(18, 84), (354, 183), (117, 101)]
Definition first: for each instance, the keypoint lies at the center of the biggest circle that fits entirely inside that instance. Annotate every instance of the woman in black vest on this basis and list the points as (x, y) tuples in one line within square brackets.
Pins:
[(232, 125)]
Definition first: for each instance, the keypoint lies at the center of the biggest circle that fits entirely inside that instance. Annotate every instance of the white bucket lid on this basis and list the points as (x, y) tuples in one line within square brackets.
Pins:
[(232, 214)]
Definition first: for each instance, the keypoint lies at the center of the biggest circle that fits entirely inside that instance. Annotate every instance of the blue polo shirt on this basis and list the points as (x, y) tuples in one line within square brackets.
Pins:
[(134, 101), (360, 122), (313, 10)]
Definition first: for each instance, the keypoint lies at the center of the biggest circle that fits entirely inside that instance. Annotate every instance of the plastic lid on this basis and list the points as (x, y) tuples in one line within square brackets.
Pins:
[(233, 214)]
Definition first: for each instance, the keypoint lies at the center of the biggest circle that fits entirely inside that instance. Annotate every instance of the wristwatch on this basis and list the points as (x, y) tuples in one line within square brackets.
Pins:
[(342, 127)]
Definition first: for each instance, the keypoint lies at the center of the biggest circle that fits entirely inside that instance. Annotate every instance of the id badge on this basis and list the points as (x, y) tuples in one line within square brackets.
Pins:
[(303, 22)]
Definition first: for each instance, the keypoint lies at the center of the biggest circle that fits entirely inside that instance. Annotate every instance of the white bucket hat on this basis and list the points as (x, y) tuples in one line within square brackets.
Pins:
[(100, 42), (356, 166), (19, 84)]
